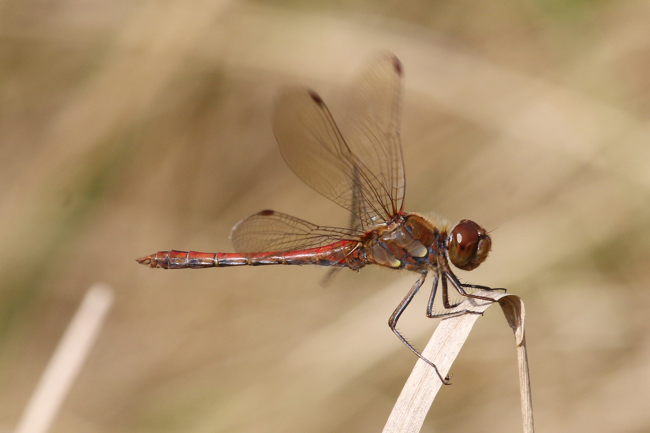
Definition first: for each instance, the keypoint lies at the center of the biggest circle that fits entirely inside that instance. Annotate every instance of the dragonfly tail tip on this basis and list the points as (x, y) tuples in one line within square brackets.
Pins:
[(144, 260)]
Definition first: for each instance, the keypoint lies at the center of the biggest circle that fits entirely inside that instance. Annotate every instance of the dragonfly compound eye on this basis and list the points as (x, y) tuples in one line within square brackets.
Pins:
[(468, 245)]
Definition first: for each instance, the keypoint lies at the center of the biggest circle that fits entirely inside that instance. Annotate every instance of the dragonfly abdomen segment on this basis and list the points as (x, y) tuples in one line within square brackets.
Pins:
[(179, 259), (344, 254)]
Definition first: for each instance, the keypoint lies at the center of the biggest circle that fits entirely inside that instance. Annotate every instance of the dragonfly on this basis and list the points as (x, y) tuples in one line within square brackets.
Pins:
[(360, 168)]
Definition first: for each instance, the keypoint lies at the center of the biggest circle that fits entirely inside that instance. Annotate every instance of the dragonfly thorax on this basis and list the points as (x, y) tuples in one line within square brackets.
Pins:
[(404, 242)]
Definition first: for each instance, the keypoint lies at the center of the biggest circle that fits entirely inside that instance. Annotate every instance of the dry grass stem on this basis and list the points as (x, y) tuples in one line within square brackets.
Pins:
[(65, 364), (423, 384)]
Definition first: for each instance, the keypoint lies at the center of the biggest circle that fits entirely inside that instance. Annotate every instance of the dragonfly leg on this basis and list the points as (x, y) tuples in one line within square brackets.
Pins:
[(459, 287), (445, 295), (445, 301), (432, 297), (392, 323), (478, 287)]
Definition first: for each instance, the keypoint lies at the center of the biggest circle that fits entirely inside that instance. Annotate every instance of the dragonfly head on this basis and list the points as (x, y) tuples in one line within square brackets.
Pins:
[(468, 245)]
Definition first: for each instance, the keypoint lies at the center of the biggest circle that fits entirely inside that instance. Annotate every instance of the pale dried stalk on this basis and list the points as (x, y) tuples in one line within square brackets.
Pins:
[(65, 364), (423, 384)]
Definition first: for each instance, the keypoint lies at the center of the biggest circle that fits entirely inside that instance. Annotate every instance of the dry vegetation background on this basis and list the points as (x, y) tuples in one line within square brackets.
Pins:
[(131, 127)]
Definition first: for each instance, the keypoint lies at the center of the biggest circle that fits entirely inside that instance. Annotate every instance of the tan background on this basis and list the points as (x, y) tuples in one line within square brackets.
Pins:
[(132, 127)]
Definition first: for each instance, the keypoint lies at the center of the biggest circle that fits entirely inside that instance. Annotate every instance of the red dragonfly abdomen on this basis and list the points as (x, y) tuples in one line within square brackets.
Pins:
[(343, 253)]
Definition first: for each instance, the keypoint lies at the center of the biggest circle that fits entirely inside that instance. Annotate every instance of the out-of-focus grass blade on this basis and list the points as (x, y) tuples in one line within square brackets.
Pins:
[(65, 364)]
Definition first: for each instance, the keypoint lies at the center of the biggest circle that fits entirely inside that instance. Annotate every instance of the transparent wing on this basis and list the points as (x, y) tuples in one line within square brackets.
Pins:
[(270, 231), (372, 128), (363, 171)]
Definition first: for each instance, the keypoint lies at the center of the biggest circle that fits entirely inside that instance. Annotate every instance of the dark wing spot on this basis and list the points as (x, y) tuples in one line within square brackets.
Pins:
[(397, 65), (317, 99), (266, 213)]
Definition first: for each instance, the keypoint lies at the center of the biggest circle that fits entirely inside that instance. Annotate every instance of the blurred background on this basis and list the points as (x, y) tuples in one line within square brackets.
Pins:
[(128, 127)]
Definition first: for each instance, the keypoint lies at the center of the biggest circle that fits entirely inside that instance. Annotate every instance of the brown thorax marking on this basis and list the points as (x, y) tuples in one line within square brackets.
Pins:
[(405, 241)]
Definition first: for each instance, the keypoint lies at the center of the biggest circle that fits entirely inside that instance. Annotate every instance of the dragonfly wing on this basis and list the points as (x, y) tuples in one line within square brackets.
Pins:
[(364, 172), (313, 147), (270, 231), (372, 132)]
